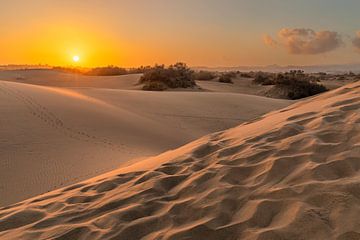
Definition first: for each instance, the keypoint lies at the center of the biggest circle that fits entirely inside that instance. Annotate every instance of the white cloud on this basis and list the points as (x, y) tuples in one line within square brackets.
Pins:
[(307, 41)]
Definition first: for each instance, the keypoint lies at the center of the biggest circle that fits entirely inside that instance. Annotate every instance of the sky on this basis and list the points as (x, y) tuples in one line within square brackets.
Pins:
[(210, 33)]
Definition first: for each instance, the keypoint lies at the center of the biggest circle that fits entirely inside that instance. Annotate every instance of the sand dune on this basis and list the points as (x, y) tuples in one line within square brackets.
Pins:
[(293, 174), (47, 77), (53, 137)]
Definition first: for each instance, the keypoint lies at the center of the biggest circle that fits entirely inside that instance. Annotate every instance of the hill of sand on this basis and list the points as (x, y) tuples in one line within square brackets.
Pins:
[(293, 174), (53, 78), (53, 137)]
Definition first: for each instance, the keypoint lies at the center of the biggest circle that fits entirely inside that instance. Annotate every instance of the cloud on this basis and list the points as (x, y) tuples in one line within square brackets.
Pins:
[(302, 41), (269, 41), (356, 41)]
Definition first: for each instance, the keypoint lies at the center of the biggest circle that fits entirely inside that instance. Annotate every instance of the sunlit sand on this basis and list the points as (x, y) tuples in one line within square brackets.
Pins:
[(179, 120), (265, 179), (48, 128)]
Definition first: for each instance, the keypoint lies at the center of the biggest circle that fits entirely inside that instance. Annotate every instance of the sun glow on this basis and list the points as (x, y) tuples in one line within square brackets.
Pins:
[(76, 58)]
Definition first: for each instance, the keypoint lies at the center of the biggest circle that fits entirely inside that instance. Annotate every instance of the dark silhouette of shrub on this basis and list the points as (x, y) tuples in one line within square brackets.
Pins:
[(204, 75), (295, 83), (227, 77), (245, 75), (175, 76), (107, 71), (264, 79), (154, 86), (297, 88), (103, 71)]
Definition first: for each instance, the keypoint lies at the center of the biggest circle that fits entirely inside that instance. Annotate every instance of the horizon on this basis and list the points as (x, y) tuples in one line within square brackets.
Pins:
[(204, 33), (328, 68)]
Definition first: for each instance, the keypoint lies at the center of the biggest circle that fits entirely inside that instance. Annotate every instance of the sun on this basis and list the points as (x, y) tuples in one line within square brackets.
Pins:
[(76, 58)]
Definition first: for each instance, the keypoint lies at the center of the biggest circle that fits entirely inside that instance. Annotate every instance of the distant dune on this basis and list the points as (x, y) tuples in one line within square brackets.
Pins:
[(53, 137), (292, 174), (48, 77)]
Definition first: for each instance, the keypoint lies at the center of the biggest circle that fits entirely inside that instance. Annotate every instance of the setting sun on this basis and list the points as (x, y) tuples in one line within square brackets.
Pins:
[(76, 58)]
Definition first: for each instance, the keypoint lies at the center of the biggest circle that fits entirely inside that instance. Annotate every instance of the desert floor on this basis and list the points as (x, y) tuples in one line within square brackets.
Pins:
[(290, 174), (58, 128)]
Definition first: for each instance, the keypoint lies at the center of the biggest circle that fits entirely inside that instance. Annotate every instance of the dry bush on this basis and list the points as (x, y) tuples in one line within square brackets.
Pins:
[(227, 77), (174, 76), (154, 86), (204, 75), (295, 83), (107, 71)]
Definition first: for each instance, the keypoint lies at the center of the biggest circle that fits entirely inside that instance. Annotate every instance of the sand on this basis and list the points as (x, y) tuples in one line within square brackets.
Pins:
[(53, 137), (291, 174), (53, 78)]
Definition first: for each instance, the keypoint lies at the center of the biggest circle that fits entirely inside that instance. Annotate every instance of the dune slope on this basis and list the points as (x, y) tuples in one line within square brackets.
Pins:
[(54, 137), (53, 78), (293, 174)]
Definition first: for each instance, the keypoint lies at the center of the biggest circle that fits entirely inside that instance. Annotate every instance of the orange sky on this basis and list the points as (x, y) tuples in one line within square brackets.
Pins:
[(202, 33)]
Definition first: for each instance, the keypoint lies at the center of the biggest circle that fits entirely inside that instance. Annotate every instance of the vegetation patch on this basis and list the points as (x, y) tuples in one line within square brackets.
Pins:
[(227, 77), (160, 77), (204, 75), (292, 85)]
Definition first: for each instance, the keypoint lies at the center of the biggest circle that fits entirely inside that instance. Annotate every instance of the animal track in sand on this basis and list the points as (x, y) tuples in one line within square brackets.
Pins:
[(45, 115)]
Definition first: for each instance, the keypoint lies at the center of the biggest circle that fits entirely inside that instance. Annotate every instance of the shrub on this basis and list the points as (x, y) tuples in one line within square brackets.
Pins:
[(175, 76), (264, 79), (245, 75), (107, 71), (297, 89), (204, 75), (292, 85), (141, 69), (227, 77), (154, 86), (298, 84)]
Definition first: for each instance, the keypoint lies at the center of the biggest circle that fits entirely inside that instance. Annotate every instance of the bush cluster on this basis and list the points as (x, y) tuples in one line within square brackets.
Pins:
[(227, 77), (103, 71), (296, 83), (106, 71), (262, 78), (174, 76), (246, 75), (204, 75)]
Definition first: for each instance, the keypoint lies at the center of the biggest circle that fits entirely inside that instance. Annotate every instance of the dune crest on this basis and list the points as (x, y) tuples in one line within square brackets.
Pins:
[(292, 174)]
